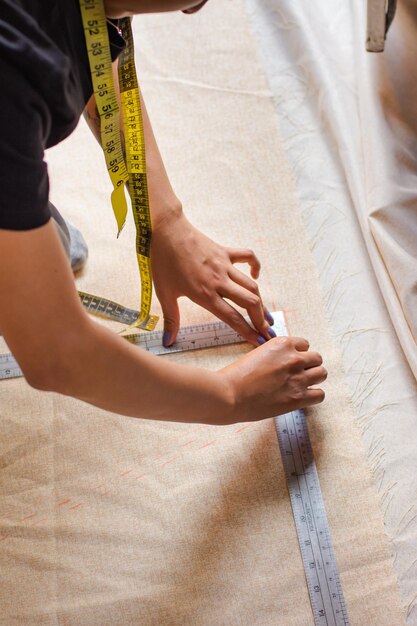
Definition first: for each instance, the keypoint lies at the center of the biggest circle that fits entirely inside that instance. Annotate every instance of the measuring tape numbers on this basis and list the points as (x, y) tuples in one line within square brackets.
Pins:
[(136, 163), (134, 172)]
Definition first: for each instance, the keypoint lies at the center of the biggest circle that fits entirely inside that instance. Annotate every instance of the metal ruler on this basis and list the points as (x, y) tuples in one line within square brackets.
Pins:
[(189, 337), (311, 522), (313, 531)]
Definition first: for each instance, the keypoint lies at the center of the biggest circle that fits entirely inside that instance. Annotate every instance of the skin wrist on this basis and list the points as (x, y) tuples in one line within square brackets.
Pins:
[(209, 399), (164, 215), (227, 401)]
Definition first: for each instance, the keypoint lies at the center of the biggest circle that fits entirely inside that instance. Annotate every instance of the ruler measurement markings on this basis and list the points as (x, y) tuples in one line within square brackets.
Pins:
[(328, 579), (189, 338), (311, 513), (120, 170), (320, 567), (299, 512), (313, 486), (303, 484), (325, 566)]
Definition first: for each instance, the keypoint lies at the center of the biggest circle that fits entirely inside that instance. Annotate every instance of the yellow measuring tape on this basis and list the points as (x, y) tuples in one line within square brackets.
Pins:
[(133, 170)]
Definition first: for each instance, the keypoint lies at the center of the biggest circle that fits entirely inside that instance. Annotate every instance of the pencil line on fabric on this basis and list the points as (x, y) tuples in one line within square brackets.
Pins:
[(166, 452), (239, 430), (284, 312), (206, 445), (77, 506), (193, 430), (40, 521), (128, 471)]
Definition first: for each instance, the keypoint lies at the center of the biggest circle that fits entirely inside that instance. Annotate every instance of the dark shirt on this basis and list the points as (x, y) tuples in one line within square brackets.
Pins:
[(44, 85)]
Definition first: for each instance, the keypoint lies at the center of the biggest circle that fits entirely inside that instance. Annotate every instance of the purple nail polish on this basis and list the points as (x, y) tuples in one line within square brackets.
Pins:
[(166, 339), (261, 339), (271, 332), (269, 318)]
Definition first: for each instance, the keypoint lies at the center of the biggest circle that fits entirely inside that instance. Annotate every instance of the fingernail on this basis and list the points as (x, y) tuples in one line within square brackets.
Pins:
[(271, 332), (269, 318), (166, 339), (261, 339)]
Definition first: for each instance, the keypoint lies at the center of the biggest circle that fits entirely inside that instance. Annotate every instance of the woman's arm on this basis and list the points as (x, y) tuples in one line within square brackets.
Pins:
[(60, 348), (122, 8), (187, 263)]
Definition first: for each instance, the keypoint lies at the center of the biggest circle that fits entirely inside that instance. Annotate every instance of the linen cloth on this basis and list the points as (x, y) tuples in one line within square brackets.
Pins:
[(113, 521)]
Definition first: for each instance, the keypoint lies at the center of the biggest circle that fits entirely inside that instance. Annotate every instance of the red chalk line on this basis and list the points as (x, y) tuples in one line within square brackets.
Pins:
[(130, 471)]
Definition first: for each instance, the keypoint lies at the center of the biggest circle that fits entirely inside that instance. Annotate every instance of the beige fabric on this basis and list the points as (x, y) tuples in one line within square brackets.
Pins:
[(107, 520), (321, 77)]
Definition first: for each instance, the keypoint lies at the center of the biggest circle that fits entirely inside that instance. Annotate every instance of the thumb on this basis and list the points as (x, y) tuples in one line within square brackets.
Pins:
[(171, 315)]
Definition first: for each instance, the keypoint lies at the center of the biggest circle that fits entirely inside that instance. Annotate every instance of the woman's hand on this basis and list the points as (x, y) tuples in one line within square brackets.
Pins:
[(187, 263), (274, 379)]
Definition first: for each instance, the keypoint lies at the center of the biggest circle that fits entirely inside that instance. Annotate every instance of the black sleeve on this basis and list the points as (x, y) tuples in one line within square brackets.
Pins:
[(24, 123)]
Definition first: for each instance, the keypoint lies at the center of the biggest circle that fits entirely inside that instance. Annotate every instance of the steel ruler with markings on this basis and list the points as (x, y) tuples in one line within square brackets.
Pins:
[(313, 530), (303, 484)]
